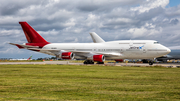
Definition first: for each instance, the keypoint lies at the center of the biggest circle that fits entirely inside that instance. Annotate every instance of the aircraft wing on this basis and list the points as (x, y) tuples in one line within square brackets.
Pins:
[(80, 53), (55, 52), (111, 54), (103, 53)]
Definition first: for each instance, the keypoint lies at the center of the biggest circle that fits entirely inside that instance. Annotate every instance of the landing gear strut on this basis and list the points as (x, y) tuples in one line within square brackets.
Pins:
[(88, 62)]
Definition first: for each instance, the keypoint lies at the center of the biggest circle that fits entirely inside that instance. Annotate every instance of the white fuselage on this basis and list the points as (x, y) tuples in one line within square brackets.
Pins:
[(128, 49)]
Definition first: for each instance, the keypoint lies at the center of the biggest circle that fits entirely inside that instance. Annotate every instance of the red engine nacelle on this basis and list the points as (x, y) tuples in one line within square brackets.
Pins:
[(99, 58), (67, 55)]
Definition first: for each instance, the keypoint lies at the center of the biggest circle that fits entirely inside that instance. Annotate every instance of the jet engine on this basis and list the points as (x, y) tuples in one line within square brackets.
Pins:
[(99, 58), (67, 55)]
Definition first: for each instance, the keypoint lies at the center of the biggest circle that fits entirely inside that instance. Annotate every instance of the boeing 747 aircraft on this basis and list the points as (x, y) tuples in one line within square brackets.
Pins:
[(93, 52)]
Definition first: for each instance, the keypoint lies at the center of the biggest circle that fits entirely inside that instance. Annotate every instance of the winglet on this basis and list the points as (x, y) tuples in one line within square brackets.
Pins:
[(96, 38)]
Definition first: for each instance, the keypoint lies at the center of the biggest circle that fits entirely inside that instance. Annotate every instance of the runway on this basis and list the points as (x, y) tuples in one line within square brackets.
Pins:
[(168, 65)]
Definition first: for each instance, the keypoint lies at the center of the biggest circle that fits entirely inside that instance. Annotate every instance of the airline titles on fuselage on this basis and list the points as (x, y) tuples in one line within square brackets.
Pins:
[(140, 47)]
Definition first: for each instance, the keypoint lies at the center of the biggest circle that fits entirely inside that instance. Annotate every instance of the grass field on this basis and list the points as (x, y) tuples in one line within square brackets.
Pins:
[(72, 82)]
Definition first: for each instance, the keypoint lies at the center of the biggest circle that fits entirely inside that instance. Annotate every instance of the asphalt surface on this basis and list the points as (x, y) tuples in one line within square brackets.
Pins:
[(169, 65)]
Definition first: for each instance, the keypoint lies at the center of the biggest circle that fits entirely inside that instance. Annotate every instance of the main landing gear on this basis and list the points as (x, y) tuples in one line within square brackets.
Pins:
[(100, 62), (151, 62), (88, 62), (148, 61), (92, 62)]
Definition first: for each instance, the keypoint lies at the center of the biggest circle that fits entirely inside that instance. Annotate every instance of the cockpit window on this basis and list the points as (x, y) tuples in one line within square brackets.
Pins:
[(156, 42)]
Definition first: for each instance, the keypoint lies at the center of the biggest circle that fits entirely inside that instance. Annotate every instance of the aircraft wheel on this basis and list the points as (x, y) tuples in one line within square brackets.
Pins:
[(85, 62), (88, 62), (92, 62), (100, 62), (150, 62)]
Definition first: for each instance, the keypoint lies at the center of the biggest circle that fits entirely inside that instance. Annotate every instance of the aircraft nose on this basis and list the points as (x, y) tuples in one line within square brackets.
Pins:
[(168, 50)]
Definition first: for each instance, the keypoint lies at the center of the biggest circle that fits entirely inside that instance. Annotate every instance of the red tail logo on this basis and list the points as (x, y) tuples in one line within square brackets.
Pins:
[(33, 38)]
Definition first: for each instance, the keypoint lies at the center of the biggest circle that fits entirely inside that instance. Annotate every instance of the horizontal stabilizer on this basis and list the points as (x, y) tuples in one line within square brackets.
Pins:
[(23, 46)]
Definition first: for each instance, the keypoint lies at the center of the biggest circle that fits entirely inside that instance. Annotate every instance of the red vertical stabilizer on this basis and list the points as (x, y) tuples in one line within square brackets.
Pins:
[(33, 38)]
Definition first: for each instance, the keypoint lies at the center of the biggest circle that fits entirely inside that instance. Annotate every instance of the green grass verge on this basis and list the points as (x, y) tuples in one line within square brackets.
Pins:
[(72, 82)]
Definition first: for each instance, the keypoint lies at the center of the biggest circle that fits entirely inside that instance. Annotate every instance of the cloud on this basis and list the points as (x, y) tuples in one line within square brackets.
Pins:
[(71, 21), (150, 4)]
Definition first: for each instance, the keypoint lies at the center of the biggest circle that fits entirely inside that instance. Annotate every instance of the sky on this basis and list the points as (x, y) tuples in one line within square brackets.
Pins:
[(70, 21)]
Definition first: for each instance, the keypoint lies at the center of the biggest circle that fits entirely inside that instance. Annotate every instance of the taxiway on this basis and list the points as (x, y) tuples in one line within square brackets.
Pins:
[(169, 65)]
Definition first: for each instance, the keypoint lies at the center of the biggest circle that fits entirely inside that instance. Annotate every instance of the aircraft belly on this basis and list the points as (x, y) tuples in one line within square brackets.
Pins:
[(134, 54)]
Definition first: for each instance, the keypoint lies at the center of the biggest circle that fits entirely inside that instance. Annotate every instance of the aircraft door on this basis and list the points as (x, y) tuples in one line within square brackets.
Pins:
[(121, 50)]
